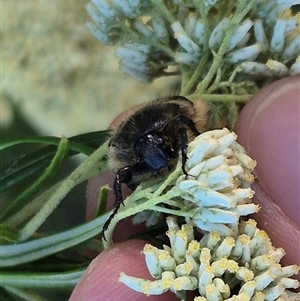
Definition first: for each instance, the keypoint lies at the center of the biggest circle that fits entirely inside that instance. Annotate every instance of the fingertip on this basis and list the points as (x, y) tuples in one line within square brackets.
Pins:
[(268, 127), (101, 279), (282, 231), (121, 117)]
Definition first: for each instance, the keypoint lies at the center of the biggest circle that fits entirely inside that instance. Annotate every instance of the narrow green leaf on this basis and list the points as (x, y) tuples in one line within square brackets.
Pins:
[(93, 140), (102, 200), (94, 245), (31, 207), (26, 166), (6, 296), (24, 294), (34, 162), (62, 151), (20, 253), (41, 280), (8, 234), (87, 169)]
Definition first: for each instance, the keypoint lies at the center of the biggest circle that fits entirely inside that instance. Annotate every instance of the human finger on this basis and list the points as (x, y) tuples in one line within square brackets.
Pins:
[(268, 127), (100, 281)]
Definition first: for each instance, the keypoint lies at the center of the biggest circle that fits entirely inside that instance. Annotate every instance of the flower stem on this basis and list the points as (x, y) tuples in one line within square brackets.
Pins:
[(225, 98), (129, 211), (188, 87), (147, 202), (134, 37), (181, 213), (87, 169), (161, 7), (243, 8)]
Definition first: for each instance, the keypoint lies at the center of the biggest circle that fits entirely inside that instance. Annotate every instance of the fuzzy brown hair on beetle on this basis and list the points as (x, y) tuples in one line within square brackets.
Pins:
[(149, 141)]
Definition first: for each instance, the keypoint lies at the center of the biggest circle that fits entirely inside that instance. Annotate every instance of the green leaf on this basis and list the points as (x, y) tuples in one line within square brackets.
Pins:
[(23, 294), (5, 296), (31, 207), (34, 162), (102, 200), (41, 280), (8, 234), (62, 151), (20, 253), (90, 167)]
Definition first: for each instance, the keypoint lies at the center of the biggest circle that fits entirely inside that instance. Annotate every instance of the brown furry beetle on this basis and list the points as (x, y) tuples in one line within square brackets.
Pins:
[(149, 141)]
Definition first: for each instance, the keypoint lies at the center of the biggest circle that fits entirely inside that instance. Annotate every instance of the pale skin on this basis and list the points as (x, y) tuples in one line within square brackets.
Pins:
[(269, 128)]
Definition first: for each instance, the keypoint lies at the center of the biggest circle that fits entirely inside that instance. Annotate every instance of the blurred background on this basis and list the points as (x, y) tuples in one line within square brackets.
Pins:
[(56, 77)]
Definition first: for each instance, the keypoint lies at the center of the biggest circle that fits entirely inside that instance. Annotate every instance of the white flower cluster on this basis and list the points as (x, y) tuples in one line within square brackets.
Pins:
[(141, 61), (219, 268), (213, 195), (229, 258), (260, 38), (217, 191), (142, 39)]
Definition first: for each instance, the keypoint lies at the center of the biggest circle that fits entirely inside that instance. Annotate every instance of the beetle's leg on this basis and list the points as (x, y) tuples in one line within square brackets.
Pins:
[(123, 175), (190, 123), (184, 144), (106, 224), (184, 138), (118, 190)]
